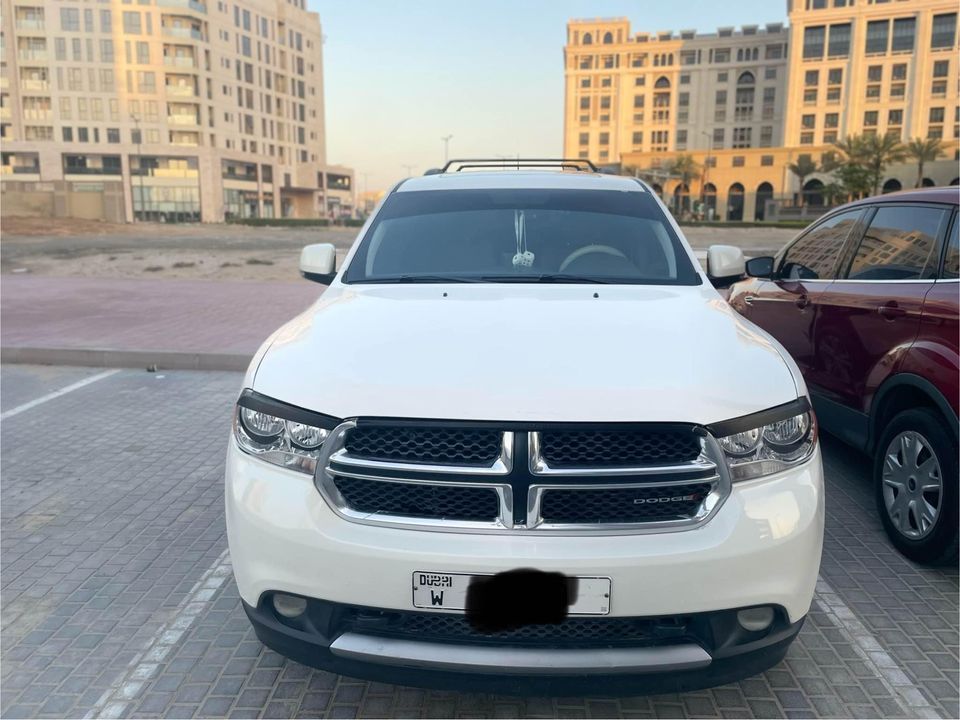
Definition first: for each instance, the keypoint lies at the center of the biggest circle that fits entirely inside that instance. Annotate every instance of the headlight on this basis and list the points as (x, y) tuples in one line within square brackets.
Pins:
[(280, 434), (767, 442)]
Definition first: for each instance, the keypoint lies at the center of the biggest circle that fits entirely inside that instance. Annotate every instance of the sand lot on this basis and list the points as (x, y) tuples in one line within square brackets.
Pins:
[(59, 247)]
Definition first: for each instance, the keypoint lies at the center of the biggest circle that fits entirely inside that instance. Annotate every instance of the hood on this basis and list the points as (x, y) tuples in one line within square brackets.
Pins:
[(506, 352)]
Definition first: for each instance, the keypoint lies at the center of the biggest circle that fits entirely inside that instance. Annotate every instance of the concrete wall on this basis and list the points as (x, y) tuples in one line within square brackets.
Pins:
[(65, 199)]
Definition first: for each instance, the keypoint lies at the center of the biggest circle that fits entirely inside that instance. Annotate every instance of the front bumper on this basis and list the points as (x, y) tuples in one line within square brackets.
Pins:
[(677, 655), (761, 548)]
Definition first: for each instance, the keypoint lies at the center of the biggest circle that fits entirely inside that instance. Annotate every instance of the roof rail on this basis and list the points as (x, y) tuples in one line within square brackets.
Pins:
[(579, 165)]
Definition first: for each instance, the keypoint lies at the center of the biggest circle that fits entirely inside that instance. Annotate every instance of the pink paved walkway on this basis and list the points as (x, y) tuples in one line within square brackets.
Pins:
[(144, 316)]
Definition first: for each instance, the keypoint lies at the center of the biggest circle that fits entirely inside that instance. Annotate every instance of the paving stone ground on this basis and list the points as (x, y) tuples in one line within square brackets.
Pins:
[(111, 508)]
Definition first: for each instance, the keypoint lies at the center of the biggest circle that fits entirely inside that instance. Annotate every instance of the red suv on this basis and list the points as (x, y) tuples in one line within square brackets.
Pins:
[(866, 301)]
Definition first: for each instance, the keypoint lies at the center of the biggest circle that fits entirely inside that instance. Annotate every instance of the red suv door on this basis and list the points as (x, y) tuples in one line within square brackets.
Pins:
[(870, 315), (788, 306)]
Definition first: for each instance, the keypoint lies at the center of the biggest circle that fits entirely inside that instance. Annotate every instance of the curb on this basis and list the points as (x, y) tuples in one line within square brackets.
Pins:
[(162, 359)]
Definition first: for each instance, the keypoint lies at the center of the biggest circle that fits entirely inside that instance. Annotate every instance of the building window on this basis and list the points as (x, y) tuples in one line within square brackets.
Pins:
[(605, 82), (83, 135), (870, 118), (936, 115), (685, 78), (67, 134), (681, 139), (722, 77), (718, 138), (584, 138), (806, 138), (131, 23), (873, 93), (585, 82), (875, 73), (70, 19), (773, 52), (809, 97), (640, 80), (683, 99), (766, 160), (835, 76), (833, 95), (831, 120), (898, 90), (770, 73), (721, 56), (939, 88), (903, 32), (605, 102), (604, 138), (766, 136), (738, 160), (113, 135), (944, 31), (877, 36), (813, 38), (811, 78), (638, 137), (899, 72), (895, 117), (742, 137), (584, 103), (808, 122), (839, 40), (941, 68)]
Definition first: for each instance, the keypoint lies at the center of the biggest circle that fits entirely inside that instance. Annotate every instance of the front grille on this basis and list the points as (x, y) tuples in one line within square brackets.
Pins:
[(444, 446), (577, 632), (451, 502), (623, 505), (612, 448)]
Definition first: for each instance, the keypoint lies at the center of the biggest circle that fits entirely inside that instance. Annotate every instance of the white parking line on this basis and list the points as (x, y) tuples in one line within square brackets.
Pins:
[(57, 393), (903, 690), (128, 687)]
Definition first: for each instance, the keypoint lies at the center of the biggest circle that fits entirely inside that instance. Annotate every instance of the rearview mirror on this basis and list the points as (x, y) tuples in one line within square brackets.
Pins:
[(760, 267), (724, 262), (319, 263)]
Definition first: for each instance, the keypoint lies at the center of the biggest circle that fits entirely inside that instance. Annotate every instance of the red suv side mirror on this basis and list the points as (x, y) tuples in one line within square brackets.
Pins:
[(760, 267)]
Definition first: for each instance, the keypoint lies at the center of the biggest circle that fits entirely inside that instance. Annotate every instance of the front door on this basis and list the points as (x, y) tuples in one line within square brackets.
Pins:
[(871, 314), (789, 306)]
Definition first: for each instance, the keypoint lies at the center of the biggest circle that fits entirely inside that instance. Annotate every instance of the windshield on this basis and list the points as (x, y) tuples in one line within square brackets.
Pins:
[(595, 236)]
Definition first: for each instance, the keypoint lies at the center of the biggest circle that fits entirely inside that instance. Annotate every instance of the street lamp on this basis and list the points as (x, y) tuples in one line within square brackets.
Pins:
[(408, 168), (446, 148), (136, 122)]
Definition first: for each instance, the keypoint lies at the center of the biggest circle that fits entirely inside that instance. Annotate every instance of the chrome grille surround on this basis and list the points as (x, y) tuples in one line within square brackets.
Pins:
[(539, 479)]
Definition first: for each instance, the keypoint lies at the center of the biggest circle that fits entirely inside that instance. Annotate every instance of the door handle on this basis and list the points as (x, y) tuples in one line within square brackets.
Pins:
[(802, 301), (748, 299), (891, 310)]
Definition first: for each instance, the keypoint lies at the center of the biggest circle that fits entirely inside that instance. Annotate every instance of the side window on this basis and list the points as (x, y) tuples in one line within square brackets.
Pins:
[(814, 256), (900, 244), (951, 259)]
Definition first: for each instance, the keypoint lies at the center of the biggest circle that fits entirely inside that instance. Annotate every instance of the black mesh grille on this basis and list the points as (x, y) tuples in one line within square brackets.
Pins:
[(611, 448), (414, 500), (575, 632), (623, 505), (450, 446)]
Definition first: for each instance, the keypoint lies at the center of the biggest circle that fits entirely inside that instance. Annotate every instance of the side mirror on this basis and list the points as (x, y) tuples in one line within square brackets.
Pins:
[(760, 267), (724, 262), (319, 263)]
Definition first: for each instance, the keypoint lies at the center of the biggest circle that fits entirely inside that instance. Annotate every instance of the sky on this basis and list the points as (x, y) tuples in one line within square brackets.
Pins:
[(401, 74)]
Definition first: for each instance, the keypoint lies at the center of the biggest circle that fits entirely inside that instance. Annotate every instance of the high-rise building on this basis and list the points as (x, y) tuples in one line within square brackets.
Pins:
[(169, 110), (745, 104)]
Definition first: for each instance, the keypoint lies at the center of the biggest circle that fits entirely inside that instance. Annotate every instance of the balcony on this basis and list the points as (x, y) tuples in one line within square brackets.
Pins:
[(5, 113), (185, 4), (179, 61), (182, 91), (32, 56), (183, 119), (37, 115), (187, 33), (20, 169), (30, 25), (35, 85)]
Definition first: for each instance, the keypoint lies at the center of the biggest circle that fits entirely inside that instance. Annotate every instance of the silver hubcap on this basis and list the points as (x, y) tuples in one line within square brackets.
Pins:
[(912, 484)]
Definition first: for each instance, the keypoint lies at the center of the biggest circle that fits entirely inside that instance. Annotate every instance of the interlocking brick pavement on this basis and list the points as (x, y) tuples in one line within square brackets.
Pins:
[(112, 510)]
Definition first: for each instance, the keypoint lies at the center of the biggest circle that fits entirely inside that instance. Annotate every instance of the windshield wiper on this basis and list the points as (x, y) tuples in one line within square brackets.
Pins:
[(546, 278), (398, 279)]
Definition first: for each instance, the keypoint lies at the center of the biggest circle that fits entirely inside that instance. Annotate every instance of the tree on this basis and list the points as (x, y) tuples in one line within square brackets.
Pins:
[(924, 151), (874, 153), (686, 167), (854, 179), (803, 168)]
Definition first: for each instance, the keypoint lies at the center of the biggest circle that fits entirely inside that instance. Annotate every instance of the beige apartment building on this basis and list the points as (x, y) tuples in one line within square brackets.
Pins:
[(747, 102), (165, 110)]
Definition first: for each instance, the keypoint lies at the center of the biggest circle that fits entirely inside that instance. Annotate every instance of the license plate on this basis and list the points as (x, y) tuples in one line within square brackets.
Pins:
[(448, 591)]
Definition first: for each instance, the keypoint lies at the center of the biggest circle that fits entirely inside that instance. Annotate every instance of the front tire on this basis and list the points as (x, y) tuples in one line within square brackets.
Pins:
[(915, 479)]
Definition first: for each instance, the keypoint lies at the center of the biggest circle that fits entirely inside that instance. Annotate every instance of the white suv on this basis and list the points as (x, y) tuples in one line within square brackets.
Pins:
[(521, 444)]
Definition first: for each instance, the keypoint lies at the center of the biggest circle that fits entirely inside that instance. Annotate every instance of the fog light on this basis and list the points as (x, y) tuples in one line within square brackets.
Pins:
[(754, 619), (288, 605)]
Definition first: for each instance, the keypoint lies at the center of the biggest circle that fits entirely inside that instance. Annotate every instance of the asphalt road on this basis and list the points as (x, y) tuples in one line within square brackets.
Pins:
[(117, 598)]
